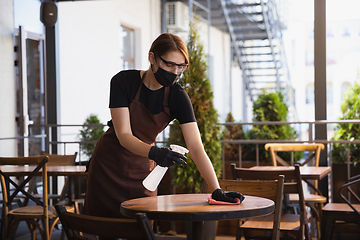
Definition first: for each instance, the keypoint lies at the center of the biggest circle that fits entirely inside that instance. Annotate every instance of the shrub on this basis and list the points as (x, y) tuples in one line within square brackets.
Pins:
[(350, 109), (271, 107), (90, 134), (231, 132), (196, 83)]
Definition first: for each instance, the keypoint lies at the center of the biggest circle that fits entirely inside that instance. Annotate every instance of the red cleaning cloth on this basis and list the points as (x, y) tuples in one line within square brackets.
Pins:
[(214, 202)]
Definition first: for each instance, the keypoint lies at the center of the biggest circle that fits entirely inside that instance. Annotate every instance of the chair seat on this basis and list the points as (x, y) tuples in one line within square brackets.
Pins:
[(289, 222), (56, 196), (40, 196), (340, 207), (36, 211), (309, 198)]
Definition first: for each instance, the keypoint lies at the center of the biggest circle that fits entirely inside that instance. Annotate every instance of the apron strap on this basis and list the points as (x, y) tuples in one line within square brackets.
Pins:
[(166, 101), (142, 82)]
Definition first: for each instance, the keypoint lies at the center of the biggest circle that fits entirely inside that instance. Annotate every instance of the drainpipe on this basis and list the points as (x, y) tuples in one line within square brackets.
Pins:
[(163, 16), (320, 82)]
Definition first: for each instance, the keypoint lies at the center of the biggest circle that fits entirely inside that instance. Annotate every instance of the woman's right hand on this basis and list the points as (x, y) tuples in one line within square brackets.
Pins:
[(165, 157)]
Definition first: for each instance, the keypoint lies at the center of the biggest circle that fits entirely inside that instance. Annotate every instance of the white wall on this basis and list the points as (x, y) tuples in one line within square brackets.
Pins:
[(220, 54), (7, 83), (28, 15), (220, 50), (89, 54), (237, 91)]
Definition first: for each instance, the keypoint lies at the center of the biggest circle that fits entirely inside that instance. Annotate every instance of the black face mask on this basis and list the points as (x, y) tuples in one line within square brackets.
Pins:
[(165, 78)]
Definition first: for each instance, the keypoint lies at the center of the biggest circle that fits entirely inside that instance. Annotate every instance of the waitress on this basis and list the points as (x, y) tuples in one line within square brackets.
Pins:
[(142, 104)]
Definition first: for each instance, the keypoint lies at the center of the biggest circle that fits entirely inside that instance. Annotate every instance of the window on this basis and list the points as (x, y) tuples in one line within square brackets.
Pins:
[(293, 49), (346, 32), (309, 94), (329, 33), (309, 58), (329, 93), (344, 88), (311, 34), (127, 48)]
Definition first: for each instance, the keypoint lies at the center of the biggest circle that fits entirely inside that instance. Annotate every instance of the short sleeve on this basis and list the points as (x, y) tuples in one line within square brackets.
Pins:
[(123, 88), (181, 107)]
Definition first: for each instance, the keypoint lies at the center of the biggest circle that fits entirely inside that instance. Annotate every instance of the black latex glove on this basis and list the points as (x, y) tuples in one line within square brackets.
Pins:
[(165, 157), (220, 195)]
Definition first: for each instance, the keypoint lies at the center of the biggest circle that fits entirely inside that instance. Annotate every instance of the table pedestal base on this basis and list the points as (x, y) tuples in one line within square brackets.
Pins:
[(203, 230)]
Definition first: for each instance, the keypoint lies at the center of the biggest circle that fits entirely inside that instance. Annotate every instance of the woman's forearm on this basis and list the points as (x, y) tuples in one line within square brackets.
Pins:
[(121, 121), (198, 155), (133, 144), (205, 168)]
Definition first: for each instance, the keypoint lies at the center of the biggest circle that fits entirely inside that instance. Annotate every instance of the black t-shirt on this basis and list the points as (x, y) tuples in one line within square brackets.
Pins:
[(125, 85)]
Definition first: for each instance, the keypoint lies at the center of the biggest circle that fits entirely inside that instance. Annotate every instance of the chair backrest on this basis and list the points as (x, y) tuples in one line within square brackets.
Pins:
[(347, 186), (314, 149), (54, 160), (272, 189), (61, 160), (76, 225), (39, 164), (292, 184)]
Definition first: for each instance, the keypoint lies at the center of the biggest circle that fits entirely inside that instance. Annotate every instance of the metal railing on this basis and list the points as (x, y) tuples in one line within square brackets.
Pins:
[(69, 141), (310, 134), (329, 143), (68, 146), (62, 145)]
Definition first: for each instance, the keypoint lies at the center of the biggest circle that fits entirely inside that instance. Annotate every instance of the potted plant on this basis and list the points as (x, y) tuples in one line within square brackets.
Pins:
[(270, 107), (341, 153), (91, 131), (231, 151)]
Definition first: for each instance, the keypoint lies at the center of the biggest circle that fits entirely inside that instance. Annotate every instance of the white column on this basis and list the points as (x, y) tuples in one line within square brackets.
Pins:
[(7, 80)]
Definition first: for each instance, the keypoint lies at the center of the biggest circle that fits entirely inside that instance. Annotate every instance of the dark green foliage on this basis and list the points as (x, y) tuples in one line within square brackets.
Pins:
[(90, 134), (232, 132), (271, 107), (196, 83), (350, 109)]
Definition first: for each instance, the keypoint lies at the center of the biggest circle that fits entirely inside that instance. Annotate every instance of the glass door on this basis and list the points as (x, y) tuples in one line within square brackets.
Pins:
[(30, 85)]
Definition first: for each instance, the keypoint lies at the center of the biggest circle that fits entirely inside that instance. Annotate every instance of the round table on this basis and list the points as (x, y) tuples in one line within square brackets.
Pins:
[(195, 208)]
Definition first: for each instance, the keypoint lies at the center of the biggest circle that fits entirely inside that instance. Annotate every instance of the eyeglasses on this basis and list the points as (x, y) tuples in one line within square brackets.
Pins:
[(173, 66)]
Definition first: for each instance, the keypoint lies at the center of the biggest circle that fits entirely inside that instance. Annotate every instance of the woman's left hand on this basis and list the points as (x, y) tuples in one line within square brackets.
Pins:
[(220, 195)]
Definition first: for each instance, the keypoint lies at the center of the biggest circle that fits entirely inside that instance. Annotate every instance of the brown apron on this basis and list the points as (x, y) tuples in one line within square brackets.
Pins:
[(116, 174)]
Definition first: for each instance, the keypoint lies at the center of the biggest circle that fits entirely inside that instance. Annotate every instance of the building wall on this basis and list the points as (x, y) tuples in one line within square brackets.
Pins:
[(225, 100), (7, 80), (88, 55)]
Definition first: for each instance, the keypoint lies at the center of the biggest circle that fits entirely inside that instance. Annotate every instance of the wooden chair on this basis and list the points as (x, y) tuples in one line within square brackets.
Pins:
[(314, 200), (314, 149), (295, 224), (342, 213), (272, 189), (79, 226), (54, 160), (30, 214)]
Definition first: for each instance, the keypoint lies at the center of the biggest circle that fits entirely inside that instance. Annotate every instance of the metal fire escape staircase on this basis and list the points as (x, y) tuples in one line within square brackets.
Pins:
[(256, 37), (255, 30)]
